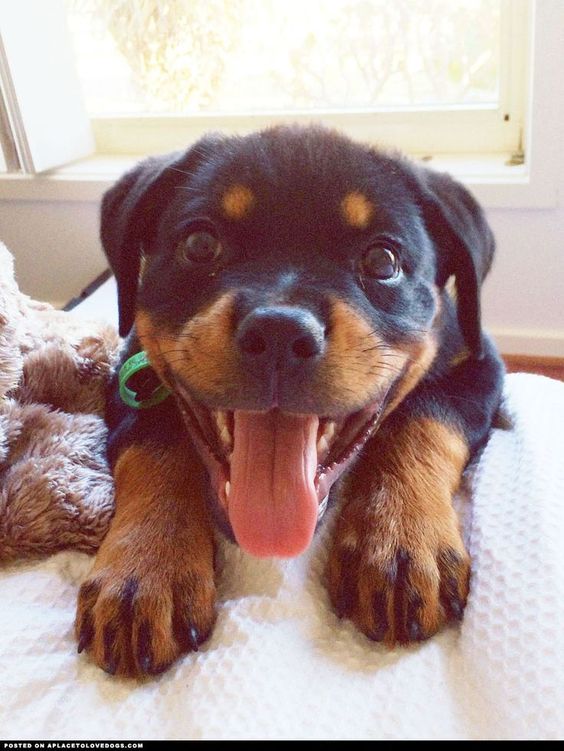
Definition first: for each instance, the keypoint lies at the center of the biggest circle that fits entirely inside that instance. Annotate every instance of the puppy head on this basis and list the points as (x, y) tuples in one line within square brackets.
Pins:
[(291, 296)]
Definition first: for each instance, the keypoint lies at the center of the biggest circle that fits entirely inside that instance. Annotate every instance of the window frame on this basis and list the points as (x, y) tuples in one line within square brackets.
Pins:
[(533, 184), (43, 121), (417, 131)]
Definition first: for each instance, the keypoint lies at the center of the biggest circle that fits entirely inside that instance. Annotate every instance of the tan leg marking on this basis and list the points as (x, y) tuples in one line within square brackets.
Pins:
[(406, 572), (151, 594)]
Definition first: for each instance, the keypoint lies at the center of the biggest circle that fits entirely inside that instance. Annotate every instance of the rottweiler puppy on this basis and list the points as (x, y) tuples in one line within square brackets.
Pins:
[(289, 289)]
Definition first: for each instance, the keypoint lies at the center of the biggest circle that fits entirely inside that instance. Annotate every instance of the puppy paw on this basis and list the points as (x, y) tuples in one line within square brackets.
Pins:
[(398, 587), (136, 618)]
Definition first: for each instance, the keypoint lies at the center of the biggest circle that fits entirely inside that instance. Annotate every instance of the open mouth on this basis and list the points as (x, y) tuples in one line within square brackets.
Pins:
[(272, 471)]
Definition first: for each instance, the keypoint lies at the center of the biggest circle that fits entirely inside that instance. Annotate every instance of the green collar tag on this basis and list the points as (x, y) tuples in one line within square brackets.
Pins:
[(133, 365)]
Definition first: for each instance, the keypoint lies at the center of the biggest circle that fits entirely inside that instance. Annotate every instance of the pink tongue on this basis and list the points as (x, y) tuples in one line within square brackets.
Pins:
[(273, 504)]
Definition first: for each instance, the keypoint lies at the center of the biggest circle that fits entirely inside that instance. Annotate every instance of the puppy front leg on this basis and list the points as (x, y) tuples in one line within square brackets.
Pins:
[(150, 596), (398, 567)]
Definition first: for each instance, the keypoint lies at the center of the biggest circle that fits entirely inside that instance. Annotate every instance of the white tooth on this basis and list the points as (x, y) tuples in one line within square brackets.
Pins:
[(322, 446), (329, 431), (220, 419), (322, 506), (225, 436), (227, 489)]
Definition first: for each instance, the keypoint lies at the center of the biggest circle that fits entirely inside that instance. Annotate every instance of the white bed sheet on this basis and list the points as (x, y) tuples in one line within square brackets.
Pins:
[(280, 665)]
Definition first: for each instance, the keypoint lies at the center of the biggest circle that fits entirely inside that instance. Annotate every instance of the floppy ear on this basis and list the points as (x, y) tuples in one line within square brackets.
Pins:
[(465, 246), (130, 215)]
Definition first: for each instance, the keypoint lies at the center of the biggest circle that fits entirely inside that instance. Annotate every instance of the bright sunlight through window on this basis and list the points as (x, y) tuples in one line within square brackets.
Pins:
[(253, 56)]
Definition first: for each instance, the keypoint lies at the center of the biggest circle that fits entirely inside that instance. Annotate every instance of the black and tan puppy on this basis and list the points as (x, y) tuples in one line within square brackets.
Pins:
[(289, 289)]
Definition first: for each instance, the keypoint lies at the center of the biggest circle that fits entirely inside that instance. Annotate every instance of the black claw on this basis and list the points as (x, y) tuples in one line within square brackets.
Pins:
[(346, 596), (144, 653), (415, 632), (186, 634), (126, 607), (455, 610), (84, 641), (188, 637), (127, 594), (414, 628), (194, 636), (402, 563), (110, 666), (86, 634), (450, 598), (110, 661), (380, 617)]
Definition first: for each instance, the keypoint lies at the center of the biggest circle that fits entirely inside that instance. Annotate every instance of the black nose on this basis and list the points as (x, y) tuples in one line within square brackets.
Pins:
[(280, 335)]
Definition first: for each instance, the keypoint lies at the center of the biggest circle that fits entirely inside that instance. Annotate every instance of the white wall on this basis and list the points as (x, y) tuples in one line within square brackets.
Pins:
[(523, 299), (55, 246)]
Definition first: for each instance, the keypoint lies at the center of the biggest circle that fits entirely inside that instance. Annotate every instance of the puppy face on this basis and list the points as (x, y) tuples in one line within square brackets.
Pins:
[(291, 297)]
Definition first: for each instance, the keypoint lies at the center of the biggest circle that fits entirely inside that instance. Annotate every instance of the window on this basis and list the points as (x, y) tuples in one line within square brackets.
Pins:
[(233, 56), (427, 76), (42, 119)]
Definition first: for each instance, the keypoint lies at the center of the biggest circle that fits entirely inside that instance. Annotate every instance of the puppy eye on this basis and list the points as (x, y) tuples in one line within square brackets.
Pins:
[(380, 262), (200, 247)]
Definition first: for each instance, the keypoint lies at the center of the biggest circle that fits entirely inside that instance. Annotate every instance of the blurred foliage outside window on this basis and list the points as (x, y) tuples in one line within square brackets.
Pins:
[(192, 57)]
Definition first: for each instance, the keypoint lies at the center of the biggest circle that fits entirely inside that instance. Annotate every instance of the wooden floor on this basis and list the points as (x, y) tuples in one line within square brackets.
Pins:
[(553, 367)]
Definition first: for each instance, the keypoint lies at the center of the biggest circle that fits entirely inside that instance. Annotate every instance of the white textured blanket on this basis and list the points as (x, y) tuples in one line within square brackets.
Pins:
[(281, 665)]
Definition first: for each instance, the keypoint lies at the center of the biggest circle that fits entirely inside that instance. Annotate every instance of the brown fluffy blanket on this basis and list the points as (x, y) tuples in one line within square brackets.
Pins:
[(55, 488)]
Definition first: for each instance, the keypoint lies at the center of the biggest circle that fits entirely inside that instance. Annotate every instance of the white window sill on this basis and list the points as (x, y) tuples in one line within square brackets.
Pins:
[(493, 182)]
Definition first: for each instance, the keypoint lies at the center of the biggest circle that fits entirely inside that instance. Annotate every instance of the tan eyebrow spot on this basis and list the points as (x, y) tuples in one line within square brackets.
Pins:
[(356, 209), (237, 201)]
